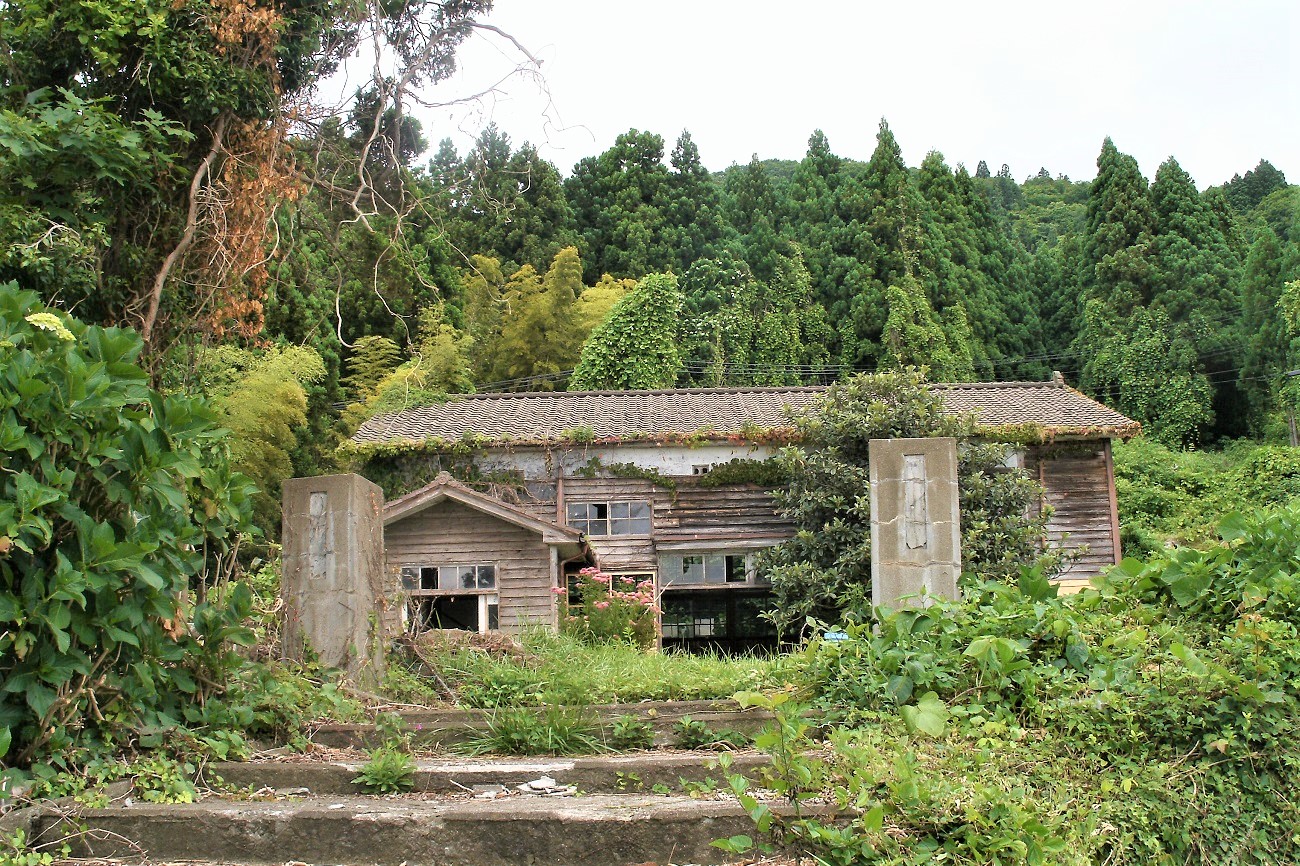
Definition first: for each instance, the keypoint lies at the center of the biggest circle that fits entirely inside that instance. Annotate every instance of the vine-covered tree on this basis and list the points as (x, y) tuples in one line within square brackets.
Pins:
[(635, 347), (825, 570)]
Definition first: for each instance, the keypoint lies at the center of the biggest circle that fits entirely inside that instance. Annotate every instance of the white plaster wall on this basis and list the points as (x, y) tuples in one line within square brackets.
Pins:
[(539, 463)]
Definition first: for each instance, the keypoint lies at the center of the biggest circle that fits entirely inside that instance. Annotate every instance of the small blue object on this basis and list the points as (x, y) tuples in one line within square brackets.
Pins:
[(835, 635)]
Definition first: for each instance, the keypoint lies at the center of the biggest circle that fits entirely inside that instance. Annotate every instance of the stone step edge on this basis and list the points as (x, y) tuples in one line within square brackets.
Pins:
[(637, 772), (458, 725), (597, 830)]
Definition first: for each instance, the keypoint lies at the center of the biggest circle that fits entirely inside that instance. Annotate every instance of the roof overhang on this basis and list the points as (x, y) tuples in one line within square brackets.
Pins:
[(444, 489)]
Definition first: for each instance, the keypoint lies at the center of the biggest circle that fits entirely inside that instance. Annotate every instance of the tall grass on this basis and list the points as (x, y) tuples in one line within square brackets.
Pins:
[(561, 669)]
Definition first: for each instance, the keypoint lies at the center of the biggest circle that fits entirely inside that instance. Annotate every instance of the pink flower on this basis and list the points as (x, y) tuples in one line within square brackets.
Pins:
[(600, 578), (601, 605)]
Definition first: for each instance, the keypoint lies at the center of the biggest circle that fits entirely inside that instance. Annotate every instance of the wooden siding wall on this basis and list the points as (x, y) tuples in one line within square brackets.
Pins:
[(712, 516), (1077, 482), (450, 533)]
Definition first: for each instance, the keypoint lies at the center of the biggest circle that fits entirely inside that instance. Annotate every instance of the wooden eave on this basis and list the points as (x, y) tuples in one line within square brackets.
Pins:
[(443, 489)]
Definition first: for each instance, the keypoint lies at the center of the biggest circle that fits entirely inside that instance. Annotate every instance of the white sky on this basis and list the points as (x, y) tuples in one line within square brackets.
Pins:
[(1216, 84)]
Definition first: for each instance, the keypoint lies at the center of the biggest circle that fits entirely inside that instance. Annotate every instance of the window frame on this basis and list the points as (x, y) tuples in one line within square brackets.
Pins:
[(671, 562), (610, 520), (413, 578)]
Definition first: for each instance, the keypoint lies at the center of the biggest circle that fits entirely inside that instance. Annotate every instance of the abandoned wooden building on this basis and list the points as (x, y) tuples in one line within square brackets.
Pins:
[(644, 483)]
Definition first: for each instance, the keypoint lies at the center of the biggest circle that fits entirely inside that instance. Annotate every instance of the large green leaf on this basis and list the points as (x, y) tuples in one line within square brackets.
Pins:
[(928, 716)]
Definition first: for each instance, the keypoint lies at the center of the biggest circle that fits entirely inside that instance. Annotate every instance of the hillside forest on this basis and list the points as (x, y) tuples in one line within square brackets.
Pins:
[(209, 277), (306, 269)]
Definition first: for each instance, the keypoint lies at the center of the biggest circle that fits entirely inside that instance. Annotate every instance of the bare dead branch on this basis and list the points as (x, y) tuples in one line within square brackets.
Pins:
[(191, 227)]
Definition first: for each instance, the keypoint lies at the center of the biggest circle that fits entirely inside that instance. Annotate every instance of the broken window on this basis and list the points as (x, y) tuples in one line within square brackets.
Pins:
[(452, 597), (610, 518)]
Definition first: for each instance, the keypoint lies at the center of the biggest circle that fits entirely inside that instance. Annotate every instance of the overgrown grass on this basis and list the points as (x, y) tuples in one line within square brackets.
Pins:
[(552, 731), (561, 669), (1151, 719)]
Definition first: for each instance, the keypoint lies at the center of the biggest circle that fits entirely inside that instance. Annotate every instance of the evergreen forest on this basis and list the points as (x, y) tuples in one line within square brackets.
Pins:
[(326, 266)]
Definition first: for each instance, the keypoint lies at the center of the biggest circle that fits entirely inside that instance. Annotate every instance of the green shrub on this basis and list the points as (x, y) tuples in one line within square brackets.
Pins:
[(1177, 497), (116, 504), (390, 770), (629, 732), (694, 734), (612, 607)]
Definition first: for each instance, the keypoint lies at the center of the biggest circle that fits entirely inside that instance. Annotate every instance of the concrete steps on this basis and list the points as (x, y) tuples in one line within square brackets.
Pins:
[(610, 774), (441, 728), (594, 830), (463, 813)]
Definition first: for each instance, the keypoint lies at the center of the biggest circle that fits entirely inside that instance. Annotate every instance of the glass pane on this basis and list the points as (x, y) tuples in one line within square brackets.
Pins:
[(410, 578), (628, 526), (715, 569), (577, 513), (749, 620), (447, 577), (493, 614), (487, 576), (465, 576), (692, 569), (640, 509), (619, 509), (597, 527)]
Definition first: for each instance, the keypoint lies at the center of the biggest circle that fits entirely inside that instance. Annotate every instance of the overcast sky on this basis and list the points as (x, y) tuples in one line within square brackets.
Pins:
[(1216, 84)]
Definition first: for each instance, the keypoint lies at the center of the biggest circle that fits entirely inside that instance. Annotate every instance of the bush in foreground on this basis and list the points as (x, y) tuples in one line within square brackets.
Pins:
[(1152, 719), (118, 518)]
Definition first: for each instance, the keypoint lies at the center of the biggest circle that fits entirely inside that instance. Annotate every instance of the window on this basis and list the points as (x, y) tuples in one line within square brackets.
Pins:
[(610, 518), (717, 617), (478, 613), (707, 568), (452, 597), (448, 578)]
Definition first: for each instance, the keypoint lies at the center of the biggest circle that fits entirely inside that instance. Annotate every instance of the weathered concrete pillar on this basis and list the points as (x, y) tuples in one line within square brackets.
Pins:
[(332, 573), (915, 526)]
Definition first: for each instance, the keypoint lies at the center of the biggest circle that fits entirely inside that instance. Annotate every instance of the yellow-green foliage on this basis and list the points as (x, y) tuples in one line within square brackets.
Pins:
[(263, 404), (596, 301)]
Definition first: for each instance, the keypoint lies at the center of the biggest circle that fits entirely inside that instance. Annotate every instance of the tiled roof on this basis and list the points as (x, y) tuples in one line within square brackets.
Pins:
[(535, 416), (1051, 405)]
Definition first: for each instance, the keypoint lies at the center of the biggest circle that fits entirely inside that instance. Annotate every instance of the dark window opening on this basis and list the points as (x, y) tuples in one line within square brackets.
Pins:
[(445, 611), (727, 620)]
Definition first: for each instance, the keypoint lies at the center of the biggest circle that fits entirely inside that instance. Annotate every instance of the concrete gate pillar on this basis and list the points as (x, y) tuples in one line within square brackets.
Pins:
[(915, 526), (332, 574)]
